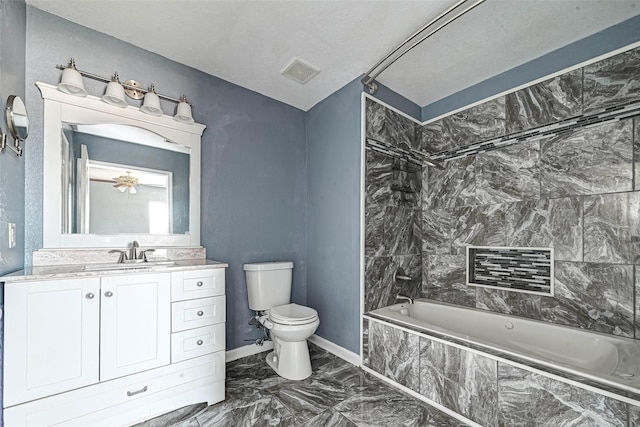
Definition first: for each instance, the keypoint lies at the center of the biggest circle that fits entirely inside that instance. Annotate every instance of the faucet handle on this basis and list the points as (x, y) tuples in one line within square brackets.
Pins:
[(122, 257), (143, 254), (400, 275)]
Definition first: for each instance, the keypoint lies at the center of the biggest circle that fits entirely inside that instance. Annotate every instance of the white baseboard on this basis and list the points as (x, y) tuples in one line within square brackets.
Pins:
[(251, 349), (341, 352), (247, 350)]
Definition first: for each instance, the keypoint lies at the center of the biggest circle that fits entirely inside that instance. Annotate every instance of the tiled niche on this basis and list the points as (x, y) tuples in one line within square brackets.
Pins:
[(578, 192)]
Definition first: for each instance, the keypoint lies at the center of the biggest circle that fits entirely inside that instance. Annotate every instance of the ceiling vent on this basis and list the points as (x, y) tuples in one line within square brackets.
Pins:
[(300, 71)]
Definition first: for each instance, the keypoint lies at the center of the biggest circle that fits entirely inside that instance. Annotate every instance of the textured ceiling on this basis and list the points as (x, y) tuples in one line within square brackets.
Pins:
[(250, 42)]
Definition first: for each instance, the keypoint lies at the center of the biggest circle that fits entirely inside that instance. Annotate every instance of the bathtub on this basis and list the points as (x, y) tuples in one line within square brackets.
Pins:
[(606, 359)]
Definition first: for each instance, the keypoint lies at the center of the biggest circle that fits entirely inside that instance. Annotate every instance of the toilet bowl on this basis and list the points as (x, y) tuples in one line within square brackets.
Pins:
[(290, 326)]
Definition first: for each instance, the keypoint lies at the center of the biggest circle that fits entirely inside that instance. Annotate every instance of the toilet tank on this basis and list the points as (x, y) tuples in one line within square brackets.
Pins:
[(268, 284)]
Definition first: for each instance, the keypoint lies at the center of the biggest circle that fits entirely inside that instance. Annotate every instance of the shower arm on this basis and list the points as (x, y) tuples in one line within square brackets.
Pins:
[(447, 17)]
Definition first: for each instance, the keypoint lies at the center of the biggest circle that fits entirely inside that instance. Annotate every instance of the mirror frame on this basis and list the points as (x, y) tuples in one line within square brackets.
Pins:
[(62, 108), (10, 117)]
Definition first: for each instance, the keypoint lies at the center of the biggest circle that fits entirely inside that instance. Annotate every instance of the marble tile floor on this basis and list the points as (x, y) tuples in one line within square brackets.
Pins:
[(337, 394)]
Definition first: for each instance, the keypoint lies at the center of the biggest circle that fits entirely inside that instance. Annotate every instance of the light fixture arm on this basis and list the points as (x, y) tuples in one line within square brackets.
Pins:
[(125, 85)]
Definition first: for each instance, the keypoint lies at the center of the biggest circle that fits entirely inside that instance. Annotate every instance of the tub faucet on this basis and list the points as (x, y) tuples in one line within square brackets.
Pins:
[(408, 299), (133, 252)]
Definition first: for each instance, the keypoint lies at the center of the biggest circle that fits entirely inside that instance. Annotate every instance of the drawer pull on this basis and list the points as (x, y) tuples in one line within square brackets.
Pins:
[(108, 294), (90, 295), (199, 284), (133, 393), (201, 313), (199, 342)]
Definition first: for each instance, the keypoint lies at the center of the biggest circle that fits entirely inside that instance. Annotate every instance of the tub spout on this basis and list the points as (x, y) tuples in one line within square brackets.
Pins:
[(409, 300)]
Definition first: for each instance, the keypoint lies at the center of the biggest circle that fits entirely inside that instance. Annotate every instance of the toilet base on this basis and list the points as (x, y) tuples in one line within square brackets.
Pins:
[(290, 360)]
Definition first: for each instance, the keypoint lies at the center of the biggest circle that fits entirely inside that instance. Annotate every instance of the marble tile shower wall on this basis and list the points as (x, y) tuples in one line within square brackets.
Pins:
[(393, 210), (578, 192)]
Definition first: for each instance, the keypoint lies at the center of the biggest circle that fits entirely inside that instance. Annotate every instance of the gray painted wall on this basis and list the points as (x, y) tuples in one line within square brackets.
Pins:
[(254, 195), (333, 208), (253, 154), (398, 101), (605, 41), (12, 67), (12, 82)]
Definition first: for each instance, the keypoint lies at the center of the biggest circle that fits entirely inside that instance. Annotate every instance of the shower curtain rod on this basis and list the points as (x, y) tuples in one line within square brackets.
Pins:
[(432, 27)]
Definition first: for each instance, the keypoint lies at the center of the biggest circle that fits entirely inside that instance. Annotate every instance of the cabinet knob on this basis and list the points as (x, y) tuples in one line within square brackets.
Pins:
[(108, 294), (89, 295), (200, 313), (199, 284), (199, 342)]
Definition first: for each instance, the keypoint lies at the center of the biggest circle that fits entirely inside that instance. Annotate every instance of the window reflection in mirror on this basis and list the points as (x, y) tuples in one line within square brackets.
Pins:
[(121, 179)]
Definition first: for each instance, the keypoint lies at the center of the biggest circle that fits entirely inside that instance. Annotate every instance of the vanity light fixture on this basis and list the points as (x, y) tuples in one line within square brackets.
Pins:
[(151, 103), (71, 80), (114, 94), (71, 83), (183, 111)]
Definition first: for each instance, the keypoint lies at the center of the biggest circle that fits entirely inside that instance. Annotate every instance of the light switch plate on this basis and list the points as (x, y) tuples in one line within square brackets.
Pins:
[(12, 235)]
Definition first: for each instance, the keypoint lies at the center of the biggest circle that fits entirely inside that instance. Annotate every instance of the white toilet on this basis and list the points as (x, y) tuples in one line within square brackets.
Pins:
[(269, 289)]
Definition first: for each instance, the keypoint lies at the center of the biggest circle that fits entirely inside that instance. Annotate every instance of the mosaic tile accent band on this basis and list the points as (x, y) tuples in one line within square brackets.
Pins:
[(517, 269), (399, 152), (610, 114)]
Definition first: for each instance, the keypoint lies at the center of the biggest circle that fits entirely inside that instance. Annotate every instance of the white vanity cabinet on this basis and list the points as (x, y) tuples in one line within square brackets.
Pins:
[(111, 350), (51, 337), (135, 318), (198, 313)]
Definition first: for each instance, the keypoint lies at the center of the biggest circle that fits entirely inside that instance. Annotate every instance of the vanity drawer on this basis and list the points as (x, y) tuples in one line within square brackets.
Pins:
[(122, 401), (197, 313), (193, 284), (197, 342)]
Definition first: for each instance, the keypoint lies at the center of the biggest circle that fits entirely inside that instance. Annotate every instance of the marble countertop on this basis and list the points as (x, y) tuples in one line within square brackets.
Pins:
[(109, 269)]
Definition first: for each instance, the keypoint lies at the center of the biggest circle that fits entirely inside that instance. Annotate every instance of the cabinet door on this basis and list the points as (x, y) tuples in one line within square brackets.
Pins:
[(135, 321), (51, 334)]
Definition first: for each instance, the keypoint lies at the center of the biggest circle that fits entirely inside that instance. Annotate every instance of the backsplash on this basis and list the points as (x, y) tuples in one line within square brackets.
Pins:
[(45, 257), (577, 192)]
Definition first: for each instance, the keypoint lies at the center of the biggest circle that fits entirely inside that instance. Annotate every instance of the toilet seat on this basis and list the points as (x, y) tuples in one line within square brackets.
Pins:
[(292, 314)]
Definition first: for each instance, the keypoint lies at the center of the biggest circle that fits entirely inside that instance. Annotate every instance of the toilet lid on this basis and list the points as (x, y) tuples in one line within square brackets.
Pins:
[(292, 313)]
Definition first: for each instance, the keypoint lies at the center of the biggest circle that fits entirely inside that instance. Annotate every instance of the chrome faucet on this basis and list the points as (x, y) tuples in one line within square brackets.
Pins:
[(133, 252), (402, 297)]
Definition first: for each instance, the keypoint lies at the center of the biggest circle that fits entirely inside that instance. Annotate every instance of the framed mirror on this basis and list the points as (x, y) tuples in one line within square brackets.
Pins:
[(114, 175)]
